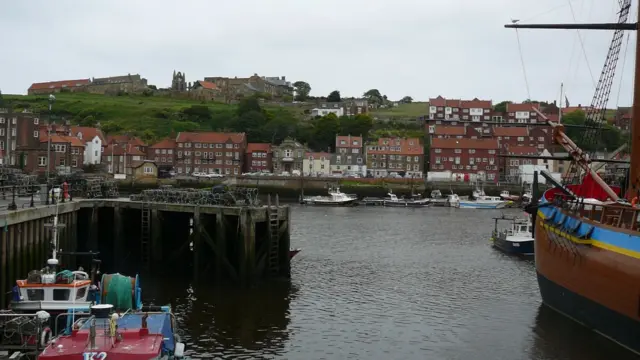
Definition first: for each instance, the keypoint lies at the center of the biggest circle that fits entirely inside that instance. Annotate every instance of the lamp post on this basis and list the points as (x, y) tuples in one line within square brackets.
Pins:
[(52, 99)]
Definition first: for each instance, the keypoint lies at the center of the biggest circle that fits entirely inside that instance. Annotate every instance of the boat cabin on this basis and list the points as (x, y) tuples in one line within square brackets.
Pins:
[(52, 292)]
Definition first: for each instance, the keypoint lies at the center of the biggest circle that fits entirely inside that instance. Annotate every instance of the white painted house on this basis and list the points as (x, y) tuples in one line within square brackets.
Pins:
[(93, 140), (316, 164)]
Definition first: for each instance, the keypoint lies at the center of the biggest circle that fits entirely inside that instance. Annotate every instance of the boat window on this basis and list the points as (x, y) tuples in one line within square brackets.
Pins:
[(523, 228), (35, 294), (530, 229), (61, 294), (80, 293)]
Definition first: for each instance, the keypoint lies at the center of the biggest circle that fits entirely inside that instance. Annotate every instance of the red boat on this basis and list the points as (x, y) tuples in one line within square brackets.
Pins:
[(106, 336)]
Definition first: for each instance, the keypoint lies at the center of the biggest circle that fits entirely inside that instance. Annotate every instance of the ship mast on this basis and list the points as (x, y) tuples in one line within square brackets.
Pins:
[(558, 130)]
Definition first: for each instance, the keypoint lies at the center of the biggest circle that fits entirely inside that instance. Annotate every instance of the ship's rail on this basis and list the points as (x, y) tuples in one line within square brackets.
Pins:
[(615, 214)]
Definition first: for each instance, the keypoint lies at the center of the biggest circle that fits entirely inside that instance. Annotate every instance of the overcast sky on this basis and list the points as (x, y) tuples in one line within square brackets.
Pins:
[(421, 48)]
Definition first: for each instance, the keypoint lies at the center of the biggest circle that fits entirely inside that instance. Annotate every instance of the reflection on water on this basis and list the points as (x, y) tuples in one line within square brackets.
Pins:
[(378, 283)]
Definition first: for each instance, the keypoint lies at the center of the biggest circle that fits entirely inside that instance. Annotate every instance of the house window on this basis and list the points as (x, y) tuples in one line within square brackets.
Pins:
[(149, 169), (36, 121), (288, 153), (42, 161), (36, 134), (74, 163)]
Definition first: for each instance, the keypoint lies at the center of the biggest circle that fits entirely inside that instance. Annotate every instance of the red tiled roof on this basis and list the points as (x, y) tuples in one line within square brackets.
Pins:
[(164, 144), (477, 104), (449, 130), (57, 139), (522, 107), (481, 144), (253, 147), (117, 149), (348, 141), (88, 133), (210, 137), (318, 155), (207, 85), (510, 131), (523, 150), (440, 101), (59, 84), (410, 146)]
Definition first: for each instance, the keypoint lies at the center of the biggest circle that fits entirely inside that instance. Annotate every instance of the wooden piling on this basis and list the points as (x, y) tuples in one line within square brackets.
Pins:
[(4, 266), (247, 248), (196, 238), (156, 236), (118, 237)]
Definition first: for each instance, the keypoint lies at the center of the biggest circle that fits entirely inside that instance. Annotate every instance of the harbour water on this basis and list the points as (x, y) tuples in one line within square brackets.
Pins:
[(381, 283)]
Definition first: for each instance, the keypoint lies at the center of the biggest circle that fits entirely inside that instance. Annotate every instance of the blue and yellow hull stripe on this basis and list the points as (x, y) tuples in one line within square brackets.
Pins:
[(576, 231)]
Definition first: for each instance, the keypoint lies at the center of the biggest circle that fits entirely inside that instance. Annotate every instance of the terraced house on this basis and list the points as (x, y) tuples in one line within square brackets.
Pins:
[(349, 157), (404, 157), (210, 152)]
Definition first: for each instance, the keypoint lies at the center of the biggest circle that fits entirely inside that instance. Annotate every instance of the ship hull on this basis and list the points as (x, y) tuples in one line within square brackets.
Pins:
[(587, 280)]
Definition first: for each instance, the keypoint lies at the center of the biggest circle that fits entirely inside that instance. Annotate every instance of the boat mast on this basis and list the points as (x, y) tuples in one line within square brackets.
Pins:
[(558, 129), (54, 225), (634, 154)]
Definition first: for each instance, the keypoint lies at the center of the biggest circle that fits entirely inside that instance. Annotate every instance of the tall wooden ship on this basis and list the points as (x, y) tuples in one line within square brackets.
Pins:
[(587, 239)]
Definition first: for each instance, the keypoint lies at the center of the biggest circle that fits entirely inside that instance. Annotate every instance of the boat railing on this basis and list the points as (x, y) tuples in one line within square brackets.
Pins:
[(614, 214)]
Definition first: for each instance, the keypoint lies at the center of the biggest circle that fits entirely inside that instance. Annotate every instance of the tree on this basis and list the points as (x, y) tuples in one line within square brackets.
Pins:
[(303, 89), (334, 96), (374, 96), (356, 125), (406, 100), (501, 106), (326, 129), (249, 104), (250, 123)]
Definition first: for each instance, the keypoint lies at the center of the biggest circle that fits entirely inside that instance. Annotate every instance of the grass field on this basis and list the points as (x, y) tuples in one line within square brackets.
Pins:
[(403, 111)]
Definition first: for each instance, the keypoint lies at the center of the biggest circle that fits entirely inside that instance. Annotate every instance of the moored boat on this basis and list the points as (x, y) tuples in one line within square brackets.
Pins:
[(484, 202), (106, 334), (587, 236), (335, 198), (517, 239), (505, 195), (392, 200)]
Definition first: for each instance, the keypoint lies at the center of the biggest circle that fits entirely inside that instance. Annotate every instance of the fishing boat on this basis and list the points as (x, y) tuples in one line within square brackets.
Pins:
[(588, 251), (517, 239), (437, 199), (106, 334), (335, 198)]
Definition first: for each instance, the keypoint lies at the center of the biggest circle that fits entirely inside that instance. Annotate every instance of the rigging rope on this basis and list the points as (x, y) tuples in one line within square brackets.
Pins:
[(624, 61), (524, 70), (584, 52)]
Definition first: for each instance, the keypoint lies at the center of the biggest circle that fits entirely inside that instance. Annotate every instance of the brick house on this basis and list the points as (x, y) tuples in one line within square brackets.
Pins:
[(57, 86), (121, 158), (132, 141), (522, 113), (258, 158), (67, 153), (210, 152), (512, 165), (479, 156), (19, 135), (163, 154), (622, 119), (402, 156), (349, 157), (460, 110)]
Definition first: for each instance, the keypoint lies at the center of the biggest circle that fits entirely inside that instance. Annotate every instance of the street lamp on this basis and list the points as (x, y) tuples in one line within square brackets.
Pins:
[(52, 99)]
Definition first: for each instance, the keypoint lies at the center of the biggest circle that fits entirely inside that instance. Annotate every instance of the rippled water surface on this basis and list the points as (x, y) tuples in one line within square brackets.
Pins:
[(382, 283)]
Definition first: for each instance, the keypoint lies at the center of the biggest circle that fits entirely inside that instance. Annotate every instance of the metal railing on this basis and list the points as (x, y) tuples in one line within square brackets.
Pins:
[(617, 215), (26, 195)]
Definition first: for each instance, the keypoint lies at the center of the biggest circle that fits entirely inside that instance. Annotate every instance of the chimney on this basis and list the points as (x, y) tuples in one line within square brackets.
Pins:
[(284, 78)]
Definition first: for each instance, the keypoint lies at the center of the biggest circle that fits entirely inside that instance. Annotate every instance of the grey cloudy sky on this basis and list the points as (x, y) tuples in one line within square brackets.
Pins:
[(421, 48)]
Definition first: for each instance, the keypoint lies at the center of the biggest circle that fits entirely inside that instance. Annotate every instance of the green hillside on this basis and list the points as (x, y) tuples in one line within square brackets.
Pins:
[(150, 117)]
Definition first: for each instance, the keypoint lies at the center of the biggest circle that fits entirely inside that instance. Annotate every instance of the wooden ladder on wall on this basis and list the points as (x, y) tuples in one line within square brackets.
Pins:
[(274, 238), (145, 235)]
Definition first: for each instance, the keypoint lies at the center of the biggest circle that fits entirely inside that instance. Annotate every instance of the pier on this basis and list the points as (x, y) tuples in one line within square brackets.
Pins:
[(237, 243)]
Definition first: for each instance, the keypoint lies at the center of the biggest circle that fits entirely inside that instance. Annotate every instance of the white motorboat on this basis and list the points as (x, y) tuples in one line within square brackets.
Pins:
[(335, 198), (415, 201), (484, 202)]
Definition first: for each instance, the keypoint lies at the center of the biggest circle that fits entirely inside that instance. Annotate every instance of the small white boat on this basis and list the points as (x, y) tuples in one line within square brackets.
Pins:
[(453, 200), (505, 195), (437, 199), (415, 201), (517, 240), (484, 202), (335, 198)]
